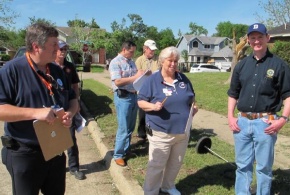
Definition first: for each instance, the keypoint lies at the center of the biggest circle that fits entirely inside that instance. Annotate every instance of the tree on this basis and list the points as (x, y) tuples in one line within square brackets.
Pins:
[(93, 24), (7, 15), (77, 23), (134, 31), (278, 12), (34, 20), (184, 55), (166, 38), (281, 49), (197, 30), (226, 29)]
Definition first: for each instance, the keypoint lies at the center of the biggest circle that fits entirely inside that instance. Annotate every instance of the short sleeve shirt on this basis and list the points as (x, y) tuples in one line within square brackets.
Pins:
[(144, 63), (172, 118), (260, 85), (21, 86), (121, 67)]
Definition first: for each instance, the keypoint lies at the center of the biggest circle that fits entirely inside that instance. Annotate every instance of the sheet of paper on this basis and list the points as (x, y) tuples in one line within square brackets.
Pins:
[(189, 121), (80, 122), (137, 84)]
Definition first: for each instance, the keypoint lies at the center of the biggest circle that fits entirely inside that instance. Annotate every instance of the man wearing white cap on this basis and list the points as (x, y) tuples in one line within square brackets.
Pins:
[(148, 61)]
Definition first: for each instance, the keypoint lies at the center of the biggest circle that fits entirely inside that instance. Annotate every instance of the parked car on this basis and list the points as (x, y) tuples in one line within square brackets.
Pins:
[(21, 51), (203, 68)]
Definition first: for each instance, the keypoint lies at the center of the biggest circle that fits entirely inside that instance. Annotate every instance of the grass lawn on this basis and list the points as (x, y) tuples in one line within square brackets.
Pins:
[(200, 173)]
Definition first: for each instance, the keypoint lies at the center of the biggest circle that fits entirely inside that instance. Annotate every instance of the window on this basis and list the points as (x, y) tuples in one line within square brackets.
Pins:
[(195, 44), (206, 46)]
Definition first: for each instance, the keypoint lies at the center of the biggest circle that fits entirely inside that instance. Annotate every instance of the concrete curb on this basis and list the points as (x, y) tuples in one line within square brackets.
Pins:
[(124, 185)]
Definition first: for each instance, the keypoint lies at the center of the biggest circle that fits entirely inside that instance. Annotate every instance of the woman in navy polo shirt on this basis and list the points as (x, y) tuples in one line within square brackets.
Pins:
[(166, 97)]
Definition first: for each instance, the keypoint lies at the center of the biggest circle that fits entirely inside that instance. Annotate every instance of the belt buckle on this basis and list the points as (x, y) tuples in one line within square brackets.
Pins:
[(250, 116)]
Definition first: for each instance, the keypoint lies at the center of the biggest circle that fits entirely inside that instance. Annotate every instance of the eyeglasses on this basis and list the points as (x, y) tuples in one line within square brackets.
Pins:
[(63, 49)]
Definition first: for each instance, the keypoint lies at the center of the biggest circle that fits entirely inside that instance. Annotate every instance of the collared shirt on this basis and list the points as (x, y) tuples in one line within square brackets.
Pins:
[(121, 67), (70, 72), (21, 86), (260, 85), (144, 63), (172, 118)]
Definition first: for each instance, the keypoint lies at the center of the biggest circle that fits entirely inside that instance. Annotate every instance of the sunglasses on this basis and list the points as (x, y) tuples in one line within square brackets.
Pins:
[(63, 49)]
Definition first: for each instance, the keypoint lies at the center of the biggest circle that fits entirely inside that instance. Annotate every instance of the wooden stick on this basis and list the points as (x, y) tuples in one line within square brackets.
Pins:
[(164, 100)]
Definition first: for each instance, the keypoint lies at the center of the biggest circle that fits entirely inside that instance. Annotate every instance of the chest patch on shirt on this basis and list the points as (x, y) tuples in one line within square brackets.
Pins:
[(270, 73), (167, 92), (181, 85)]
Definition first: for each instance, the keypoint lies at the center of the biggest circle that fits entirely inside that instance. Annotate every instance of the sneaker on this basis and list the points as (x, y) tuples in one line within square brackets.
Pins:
[(78, 175), (172, 191)]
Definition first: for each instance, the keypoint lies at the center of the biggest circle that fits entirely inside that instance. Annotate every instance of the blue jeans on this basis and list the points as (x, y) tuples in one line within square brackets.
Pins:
[(126, 109), (252, 144)]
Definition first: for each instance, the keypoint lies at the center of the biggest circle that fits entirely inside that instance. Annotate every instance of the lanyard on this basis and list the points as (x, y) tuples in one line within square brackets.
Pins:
[(47, 84)]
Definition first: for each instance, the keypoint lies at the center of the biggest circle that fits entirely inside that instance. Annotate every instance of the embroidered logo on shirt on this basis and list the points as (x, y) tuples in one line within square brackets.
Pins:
[(270, 73), (181, 85)]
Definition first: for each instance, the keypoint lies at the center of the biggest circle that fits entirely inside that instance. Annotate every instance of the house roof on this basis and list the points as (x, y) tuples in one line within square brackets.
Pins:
[(282, 30), (205, 39), (210, 40), (224, 52), (197, 52), (68, 30)]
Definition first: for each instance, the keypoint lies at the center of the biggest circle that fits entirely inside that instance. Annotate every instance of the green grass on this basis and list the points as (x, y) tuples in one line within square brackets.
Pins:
[(200, 173), (95, 68)]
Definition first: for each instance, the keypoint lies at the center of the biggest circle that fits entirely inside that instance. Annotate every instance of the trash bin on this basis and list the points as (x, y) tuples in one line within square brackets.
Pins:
[(87, 67)]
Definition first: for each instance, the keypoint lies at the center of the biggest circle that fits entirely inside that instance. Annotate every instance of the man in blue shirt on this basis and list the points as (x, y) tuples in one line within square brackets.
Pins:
[(30, 88)]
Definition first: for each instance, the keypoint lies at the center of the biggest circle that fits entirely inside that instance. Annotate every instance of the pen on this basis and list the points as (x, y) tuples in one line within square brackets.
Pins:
[(164, 100)]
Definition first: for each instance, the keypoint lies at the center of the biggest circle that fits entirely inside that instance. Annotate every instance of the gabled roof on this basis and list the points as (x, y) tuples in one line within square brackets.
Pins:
[(281, 30), (68, 30), (205, 40), (197, 52), (224, 52), (210, 40)]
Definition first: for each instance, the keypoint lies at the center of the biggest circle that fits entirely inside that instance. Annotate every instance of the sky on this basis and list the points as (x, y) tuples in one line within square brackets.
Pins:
[(173, 14)]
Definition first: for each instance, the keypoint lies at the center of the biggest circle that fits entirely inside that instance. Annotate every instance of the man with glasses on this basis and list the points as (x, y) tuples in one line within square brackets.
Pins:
[(148, 61), (123, 73), (73, 81), (27, 95)]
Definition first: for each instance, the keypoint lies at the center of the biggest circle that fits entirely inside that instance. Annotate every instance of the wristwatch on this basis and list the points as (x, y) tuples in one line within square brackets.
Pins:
[(285, 117)]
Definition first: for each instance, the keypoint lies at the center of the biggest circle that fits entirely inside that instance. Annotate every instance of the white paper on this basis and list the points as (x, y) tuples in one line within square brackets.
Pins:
[(80, 122), (137, 84), (189, 121)]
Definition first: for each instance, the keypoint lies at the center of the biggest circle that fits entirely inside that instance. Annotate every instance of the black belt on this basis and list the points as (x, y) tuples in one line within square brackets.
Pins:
[(254, 115), (127, 92), (9, 142)]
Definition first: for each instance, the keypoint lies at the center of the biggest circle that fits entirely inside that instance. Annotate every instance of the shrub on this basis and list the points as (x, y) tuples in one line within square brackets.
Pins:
[(281, 49), (5, 57)]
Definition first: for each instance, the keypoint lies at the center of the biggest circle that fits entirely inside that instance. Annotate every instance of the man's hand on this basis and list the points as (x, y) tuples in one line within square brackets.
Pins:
[(233, 124), (275, 126)]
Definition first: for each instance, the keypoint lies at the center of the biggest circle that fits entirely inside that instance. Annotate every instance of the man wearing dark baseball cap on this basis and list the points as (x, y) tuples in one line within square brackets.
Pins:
[(259, 87), (257, 27)]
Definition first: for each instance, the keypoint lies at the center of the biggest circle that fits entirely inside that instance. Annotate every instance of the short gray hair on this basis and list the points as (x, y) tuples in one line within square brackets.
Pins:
[(167, 52)]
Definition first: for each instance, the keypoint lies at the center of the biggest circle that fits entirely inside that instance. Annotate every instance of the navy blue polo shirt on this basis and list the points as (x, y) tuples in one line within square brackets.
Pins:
[(21, 86), (260, 85), (172, 118)]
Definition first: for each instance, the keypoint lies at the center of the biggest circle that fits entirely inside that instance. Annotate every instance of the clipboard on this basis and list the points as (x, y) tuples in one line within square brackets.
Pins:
[(189, 121), (137, 84), (54, 138)]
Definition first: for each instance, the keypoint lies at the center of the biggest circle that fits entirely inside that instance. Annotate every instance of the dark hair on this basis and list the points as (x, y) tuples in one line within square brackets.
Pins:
[(39, 33), (128, 44)]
